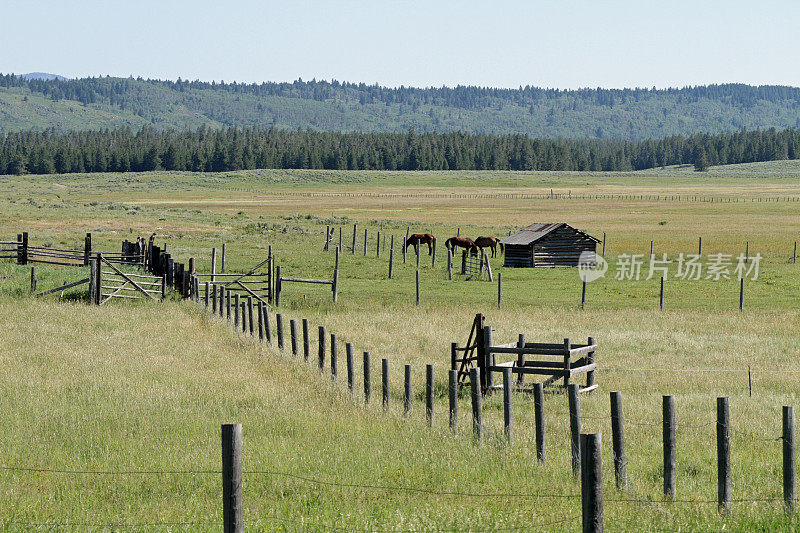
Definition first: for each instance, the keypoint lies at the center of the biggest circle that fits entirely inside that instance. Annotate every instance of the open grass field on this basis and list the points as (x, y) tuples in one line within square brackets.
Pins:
[(145, 387)]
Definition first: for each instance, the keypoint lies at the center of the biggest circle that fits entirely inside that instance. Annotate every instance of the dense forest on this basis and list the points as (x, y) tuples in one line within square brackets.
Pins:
[(233, 148), (621, 114)]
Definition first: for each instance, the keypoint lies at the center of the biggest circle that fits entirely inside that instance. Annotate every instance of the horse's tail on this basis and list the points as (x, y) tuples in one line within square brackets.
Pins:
[(502, 247)]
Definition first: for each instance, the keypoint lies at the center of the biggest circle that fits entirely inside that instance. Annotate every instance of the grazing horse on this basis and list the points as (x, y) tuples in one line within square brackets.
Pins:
[(454, 242), (421, 238), (489, 242)]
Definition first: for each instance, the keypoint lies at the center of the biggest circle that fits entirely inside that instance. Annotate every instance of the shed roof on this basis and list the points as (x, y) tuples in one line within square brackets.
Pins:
[(536, 231)]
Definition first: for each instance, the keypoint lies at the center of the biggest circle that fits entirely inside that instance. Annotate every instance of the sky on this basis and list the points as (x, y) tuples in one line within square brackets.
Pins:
[(498, 43)]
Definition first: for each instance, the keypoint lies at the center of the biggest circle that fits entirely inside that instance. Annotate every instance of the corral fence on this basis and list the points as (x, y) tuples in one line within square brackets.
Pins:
[(107, 282), (132, 253)]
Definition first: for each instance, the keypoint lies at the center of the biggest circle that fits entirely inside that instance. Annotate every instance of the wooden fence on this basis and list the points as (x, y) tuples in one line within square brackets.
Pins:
[(107, 282)]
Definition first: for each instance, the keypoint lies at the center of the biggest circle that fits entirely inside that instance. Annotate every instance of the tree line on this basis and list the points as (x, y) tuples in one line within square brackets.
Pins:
[(233, 148)]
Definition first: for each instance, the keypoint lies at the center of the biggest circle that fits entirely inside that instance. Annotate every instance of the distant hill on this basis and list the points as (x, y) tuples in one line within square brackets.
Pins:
[(43, 76), (625, 114)]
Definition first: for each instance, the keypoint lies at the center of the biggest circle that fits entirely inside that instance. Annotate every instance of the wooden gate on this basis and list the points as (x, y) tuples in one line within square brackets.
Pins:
[(256, 282), (107, 282)]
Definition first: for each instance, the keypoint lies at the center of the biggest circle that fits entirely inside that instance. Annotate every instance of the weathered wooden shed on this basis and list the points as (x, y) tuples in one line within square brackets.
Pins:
[(548, 245)]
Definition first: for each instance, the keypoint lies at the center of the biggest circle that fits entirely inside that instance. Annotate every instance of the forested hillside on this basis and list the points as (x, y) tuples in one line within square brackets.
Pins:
[(223, 149), (625, 114)]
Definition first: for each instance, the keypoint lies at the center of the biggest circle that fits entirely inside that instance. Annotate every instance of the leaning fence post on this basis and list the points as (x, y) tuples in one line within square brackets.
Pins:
[(260, 306), (278, 286), (33, 279), (477, 408), (306, 341), (453, 398), (670, 471), (618, 441), (267, 329), (507, 420), (348, 348), (573, 394), (723, 455), (538, 408), (591, 482), (405, 245), (232, 478), (293, 335), (789, 461)]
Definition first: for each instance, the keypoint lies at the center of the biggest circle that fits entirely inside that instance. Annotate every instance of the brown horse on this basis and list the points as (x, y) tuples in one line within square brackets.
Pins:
[(455, 242), (489, 242), (421, 238)]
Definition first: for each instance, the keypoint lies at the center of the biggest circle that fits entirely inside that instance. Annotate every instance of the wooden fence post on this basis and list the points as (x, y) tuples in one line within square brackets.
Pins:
[(538, 407), (228, 304), (591, 482), (507, 420), (477, 408), (405, 245), (92, 280), (433, 254), (453, 398), (699, 246), (741, 293), (232, 478), (618, 441), (417, 287), (236, 307), (723, 455), (367, 379), (278, 286), (573, 394), (335, 282), (365, 242), (250, 321), (23, 249), (378, 246), (794, 253), (789, 460), (260, 306), (348, 349), (87, 248), (661, 295), (323, 337), (604, 244), (306, 340), (222, 259), (267, 327), (33, 279), (244, 316), (391, 257), (354, 238), (213, 300), (293, 335), (450, 264), (407, 390), (213, 264), (279, 329), (326, 246), (429, 394), (499, 290), (385, 383), (670, 469), (334, 357), (583, 293)]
